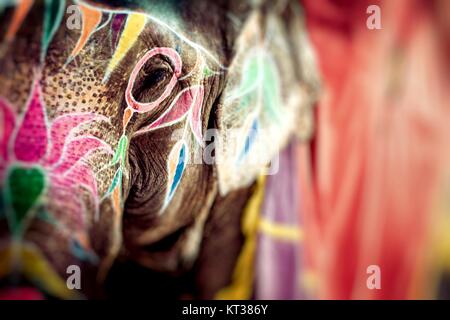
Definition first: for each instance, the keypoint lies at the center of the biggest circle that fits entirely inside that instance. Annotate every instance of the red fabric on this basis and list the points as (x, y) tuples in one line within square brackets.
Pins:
[(381, 146)]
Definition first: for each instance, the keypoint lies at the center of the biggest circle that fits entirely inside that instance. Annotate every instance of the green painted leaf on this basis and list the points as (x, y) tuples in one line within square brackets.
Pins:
[(207, 72), (271, 89), (259, 84), (54, 12), (249, 82), (25, 186), (119, 155)]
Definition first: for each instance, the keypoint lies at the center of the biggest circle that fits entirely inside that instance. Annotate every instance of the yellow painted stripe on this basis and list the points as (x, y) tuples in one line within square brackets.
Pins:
[(134, 26), (280, 231), (38, 270)]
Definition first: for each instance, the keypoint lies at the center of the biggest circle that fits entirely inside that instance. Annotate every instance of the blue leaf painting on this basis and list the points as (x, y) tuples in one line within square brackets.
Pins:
[(177, 163)]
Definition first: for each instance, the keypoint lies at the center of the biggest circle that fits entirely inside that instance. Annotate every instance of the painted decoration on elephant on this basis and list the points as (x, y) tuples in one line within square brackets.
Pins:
[(41, 160), (126, 27), (44, 158)]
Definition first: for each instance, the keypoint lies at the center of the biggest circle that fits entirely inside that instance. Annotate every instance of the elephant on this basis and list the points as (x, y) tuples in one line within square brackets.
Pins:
[(132, 134)]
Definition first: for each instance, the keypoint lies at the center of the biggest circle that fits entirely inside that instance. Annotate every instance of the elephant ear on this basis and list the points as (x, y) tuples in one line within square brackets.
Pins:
[(271, 86)]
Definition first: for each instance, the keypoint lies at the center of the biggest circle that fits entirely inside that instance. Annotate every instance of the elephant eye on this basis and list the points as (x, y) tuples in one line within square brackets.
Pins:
[(152, 80)]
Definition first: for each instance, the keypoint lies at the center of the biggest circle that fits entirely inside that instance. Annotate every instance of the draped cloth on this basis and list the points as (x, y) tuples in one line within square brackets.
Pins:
[(278, 255), (376, 170)]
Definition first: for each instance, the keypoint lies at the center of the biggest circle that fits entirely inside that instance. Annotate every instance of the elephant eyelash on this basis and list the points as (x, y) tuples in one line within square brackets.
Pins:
[(152, 79), (156, 71)]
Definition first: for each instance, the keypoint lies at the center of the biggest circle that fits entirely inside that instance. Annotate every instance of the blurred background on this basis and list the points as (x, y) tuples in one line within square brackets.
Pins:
[(375, 179)]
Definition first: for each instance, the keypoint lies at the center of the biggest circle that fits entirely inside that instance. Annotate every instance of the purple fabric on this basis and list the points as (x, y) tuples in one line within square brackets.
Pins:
[(278, 261)]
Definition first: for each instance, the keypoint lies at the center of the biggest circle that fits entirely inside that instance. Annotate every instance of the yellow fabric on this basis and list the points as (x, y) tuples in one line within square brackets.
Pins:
[(280, 231), (242, 281)]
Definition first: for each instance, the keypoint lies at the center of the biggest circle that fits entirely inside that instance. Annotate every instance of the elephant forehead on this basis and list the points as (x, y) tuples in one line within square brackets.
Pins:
[(86, 54)]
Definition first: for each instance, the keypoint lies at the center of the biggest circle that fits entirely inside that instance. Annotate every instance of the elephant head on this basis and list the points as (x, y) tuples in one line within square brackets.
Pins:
[(126, 126)]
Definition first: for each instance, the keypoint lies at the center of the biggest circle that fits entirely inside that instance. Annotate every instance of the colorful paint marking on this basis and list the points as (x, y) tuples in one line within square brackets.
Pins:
[(25, 187), (117, 25), (44, 159), (91, 19), (133, 28), (20, 13), (259, 94), (182, 105), (54, 12), (178, 158), (51, 156), (177, 64), (31, 140), (35, 268)]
